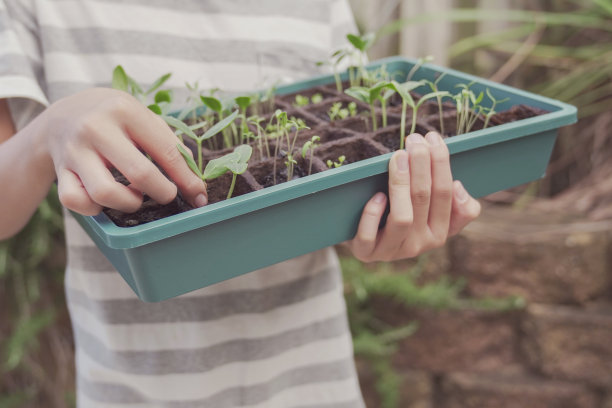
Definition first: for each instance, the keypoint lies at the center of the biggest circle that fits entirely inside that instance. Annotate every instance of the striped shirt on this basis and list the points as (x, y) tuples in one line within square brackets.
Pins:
[(277, 337)]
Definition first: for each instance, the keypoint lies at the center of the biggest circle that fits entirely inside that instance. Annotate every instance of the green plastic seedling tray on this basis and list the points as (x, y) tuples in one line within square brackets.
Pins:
[(188, 251)]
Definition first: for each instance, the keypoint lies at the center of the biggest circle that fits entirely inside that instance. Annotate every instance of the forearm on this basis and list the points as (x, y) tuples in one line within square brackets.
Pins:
[(26, 174)]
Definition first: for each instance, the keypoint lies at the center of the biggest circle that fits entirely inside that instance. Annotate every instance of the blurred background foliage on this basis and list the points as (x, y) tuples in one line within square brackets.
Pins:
[(558, 48)]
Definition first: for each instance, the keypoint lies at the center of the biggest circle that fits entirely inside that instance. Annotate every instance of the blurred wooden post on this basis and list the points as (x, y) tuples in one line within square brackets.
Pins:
[(421, 40)]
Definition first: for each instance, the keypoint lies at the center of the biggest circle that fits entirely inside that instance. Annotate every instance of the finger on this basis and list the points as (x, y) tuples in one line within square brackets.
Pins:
[(441, 187), (465, 209), (73, 195), (365, 240), (102, 187), (141, 172), (399, 190), (152, 134), (420, 179)]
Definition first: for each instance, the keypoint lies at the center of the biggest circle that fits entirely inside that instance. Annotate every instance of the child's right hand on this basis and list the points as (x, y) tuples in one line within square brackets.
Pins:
[(86, 133)]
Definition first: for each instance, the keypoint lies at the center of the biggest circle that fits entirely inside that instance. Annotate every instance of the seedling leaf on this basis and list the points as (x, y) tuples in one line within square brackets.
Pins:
[(212, 103), (243, 102), (190, 162), (159, 82), (179, 125), (163, 96), (155, 108), (120, 79), (219, 126)]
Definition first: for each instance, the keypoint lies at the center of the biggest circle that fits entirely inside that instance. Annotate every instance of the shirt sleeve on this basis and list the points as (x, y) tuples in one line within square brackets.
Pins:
[(21, 72)]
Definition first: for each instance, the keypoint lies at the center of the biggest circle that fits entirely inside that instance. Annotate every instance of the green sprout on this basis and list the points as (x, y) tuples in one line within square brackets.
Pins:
[(214, 130), (123, 82), (361, 43), (310, 146), (352, 108), (336, 111), (294, 125), (334, 61), (404, 91), (434, 87), (337, 164), (243, 103), (468, 108), (193, 101), (370, 96), (491, 111), (301, 100), (262, 136), (418, 65), (316, 98)]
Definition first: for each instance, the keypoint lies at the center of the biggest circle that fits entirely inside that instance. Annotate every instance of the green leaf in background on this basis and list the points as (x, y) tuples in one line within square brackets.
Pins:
[(120, 79), (243, 102), (180, 125), (155, 108), (212, 103), (219, 126), (163, 96), (24, 337), (159, 82)]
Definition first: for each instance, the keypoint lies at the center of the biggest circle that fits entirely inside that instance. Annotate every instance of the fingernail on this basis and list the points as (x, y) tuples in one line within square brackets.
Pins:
[(460, 194), (401, 160), (201, 200), (379, 198), (415, 138), (433, 138)]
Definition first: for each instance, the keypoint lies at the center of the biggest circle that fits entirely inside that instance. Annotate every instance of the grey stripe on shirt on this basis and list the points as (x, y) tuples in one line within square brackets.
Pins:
[(205, 359), (210, 307), (236, 396), (315, 10)]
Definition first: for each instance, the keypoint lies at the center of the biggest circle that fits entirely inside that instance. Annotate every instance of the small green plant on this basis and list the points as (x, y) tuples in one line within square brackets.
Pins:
[(243, 102), (316, 98), (352, 108), (468, 108), (491, 111), (361, 43), (370, 96), (162, 98), (418, 65), (404, 91), (301, 100), (193, 102), (434, 87), (310, 146), (214, 130), (336, 111), (336, 164)]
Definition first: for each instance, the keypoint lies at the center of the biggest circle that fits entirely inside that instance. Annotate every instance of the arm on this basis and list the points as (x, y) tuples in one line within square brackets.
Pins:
[(25, 175), (75, 141), (426, 206)]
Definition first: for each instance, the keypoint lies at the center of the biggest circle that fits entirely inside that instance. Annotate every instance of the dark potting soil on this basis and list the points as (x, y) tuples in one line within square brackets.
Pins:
[(351, 137)]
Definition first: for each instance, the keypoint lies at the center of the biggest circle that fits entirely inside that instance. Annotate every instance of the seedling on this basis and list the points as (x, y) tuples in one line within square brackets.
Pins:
[(243, 103), (361, 43), (295, 126), (193, 101), (337, 164), (491, 110), (336, 111), (468, 108), (316, 98), (301, 100), (262, 136), (418, 65), (310, 146), (334, 61), (214, 130), (434, 88), (404, 91), (370, 96), (352, 108), (126, 83), (236, 162)]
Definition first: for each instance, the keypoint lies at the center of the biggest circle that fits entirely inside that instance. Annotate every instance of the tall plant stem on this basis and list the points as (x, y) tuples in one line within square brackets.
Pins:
[(373, 115), (310, 165), (338, 81), (414, 119), (383, 106), (403, 124), (439, 98), (199, 142), (231, 189)]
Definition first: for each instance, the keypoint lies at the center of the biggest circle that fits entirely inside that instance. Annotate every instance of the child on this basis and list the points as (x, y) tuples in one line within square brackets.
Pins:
[(276, 337)]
